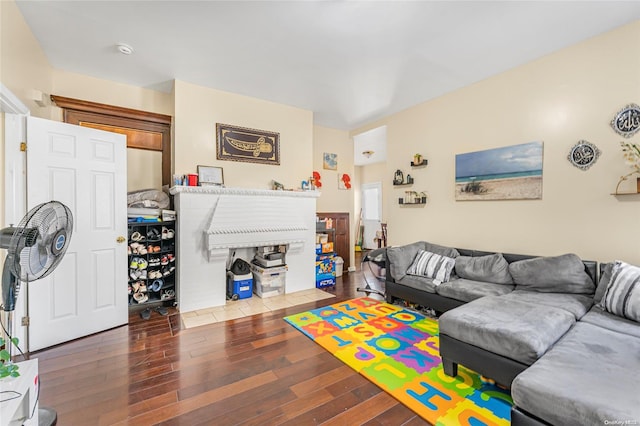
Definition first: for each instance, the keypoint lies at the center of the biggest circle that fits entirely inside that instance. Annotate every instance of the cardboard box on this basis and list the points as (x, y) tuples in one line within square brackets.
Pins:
[(325, 273), (324, 248)]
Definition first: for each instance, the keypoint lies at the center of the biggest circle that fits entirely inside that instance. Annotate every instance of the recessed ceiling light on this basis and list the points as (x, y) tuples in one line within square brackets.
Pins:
[(367, 153), (124, 48)]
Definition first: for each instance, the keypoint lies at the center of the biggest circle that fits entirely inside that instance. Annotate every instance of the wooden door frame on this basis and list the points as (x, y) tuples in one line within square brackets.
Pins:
[(150, 131)]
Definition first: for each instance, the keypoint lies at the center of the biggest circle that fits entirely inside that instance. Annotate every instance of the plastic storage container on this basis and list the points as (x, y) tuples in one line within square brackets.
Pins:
[(268, 282)]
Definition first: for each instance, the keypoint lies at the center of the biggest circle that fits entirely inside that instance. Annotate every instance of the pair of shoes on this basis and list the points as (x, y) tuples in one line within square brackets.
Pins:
[(156, 285), (154, 249), (162, 310), (164, 260), (138, 263), (167, 233), (140, 297), (137, 248), (153, 235), (167, 294), (137, 237), (154, 261), (152, 275), (146, 314), (171, 257), (167, 271), (139, 287)]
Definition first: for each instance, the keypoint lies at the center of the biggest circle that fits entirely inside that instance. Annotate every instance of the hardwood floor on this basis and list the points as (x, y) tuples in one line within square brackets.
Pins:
[(251, 371)]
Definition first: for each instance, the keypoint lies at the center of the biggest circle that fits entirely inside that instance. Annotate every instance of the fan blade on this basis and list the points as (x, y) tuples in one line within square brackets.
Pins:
[(38, 260)]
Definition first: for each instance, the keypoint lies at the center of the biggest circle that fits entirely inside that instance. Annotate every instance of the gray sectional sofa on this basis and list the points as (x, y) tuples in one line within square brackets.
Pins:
[(533, 324)]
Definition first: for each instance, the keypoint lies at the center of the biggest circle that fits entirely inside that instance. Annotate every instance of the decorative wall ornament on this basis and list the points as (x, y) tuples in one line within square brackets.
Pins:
[(344, 181), (508, 173), (627, 121), (330, 161), (248, 145), (583, 155)]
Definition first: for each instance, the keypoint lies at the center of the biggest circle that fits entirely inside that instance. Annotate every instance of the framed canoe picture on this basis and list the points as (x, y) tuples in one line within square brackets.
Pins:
[(248, 145)]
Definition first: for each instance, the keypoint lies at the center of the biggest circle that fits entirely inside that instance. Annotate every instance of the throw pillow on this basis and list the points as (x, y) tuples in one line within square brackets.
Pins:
[(622, 296), (432, 265), (558, 274), (492, 268)]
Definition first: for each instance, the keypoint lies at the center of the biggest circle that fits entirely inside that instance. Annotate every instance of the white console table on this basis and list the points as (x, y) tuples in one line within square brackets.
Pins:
[(19, 396)]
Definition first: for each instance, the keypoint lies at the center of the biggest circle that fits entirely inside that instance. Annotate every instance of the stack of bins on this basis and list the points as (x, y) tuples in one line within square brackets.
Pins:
[(268, 282)]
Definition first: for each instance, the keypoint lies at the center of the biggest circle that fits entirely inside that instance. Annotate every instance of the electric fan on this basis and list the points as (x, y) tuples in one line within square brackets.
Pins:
[(34, 249)]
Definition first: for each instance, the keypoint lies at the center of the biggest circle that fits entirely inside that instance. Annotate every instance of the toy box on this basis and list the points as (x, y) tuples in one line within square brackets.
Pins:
[(325, 272)]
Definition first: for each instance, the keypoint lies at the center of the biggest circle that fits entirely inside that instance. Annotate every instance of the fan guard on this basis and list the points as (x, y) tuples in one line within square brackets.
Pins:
[(40, 241)]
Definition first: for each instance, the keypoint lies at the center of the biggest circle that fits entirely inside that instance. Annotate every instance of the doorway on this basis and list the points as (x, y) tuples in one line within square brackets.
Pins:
[(371, 213)]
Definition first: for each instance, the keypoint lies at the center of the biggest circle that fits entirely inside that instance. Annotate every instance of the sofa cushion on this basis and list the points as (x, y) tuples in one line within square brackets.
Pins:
[(468, 290), (576, 304), (604, 282), (432, 265), (492, 268), (558, 274), (601, 318), (401, 257), (622, 296), (418, 282), (518, 330), (590, 377)]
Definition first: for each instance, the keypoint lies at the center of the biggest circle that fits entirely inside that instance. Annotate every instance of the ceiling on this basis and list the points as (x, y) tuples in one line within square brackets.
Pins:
[(350, 62)]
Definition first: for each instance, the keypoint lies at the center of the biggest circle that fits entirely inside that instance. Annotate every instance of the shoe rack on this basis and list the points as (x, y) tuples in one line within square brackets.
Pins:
[(152, 262)]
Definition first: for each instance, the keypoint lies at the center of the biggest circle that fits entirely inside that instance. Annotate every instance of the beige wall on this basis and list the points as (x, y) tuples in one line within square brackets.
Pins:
[(144, 168), (559, 99), (198, 109), (23, 65), (333, 199)]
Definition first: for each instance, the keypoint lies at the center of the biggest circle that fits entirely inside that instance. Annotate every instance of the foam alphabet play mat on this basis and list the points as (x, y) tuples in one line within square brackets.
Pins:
[(397, 349)]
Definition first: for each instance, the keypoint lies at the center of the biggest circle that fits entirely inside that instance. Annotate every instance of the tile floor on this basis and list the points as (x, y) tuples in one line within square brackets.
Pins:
[(251, 306)]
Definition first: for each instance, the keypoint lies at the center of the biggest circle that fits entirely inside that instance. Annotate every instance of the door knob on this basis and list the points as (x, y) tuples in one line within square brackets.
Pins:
[(121, 239)]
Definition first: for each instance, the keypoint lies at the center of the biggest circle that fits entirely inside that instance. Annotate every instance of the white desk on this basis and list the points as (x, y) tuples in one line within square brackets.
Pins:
[(20, 396)]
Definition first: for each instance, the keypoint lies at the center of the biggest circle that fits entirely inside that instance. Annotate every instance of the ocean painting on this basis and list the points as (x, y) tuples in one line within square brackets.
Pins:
[(508, 173)]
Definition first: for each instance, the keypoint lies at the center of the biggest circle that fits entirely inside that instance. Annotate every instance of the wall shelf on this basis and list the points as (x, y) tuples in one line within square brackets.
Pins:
[(403, 184), (422, 164), (411, 204), (626, 194)]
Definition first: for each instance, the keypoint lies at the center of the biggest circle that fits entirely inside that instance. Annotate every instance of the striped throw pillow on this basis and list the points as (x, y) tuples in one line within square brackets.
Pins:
[(622, 296), (432, 265)]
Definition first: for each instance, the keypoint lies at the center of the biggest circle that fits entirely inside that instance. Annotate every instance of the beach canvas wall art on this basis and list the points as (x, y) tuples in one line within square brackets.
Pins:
[(508, 173)]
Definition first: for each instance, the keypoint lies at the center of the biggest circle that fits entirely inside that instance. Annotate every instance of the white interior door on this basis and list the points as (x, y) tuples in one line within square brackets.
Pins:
[(371, 213), (85, 169)]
